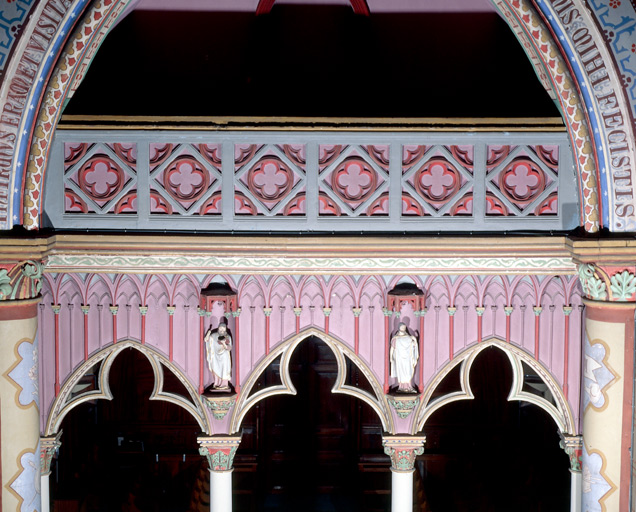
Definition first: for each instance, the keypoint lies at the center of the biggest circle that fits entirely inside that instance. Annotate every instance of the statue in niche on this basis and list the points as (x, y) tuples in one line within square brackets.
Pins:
[(218, 345), (404, 354)]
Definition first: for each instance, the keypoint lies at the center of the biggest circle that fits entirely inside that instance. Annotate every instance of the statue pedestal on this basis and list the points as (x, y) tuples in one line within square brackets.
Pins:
[(403, 403), (219, 401)]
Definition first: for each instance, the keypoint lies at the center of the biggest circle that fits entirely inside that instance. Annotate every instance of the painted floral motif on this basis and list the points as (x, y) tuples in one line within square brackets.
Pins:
[(594, 486), (27, 483), (25, 374), (596, 375)]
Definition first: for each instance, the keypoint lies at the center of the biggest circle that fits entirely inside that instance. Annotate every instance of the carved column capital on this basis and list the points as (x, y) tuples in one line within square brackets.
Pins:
[(610, 282), (403, 450), (114, 310), (326, 311), (451, 310), (56, 308), (86, 308), (171, 310), (480, 310), (219, 451), (48, 448), (356, 311), (573, 446), (537, 310), (508, 310), (237, 312), (298, 311), (143, 310), (21, 280), (267, 311)]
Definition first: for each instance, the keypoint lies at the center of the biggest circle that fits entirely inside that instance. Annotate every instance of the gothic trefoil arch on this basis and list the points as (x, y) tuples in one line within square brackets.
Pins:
[(65, 402), (377, 401)]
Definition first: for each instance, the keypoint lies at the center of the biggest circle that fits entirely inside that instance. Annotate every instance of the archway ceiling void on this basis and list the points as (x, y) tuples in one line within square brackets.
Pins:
[(375, 6)]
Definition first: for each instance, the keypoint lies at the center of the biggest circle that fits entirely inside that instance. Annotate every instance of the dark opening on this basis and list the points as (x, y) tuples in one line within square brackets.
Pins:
[(489, 454), (316, 451), (129, 454), (304, 60)]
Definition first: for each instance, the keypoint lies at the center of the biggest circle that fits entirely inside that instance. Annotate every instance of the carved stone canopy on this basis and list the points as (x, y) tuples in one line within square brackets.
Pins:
[(218, 292), (406, 292)]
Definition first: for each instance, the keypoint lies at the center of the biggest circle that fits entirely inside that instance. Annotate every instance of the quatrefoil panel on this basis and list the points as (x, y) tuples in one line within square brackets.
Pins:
[(437, 180), (269, 180), (100, 178), (354, 180), (522, 180), (185, 179)]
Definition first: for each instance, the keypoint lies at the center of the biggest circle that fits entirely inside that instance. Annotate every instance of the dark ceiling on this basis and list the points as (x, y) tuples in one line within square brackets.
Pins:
[(312, 61)]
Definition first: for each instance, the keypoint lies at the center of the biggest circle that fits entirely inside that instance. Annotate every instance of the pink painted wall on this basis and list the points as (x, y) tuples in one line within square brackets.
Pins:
[(540, 332)]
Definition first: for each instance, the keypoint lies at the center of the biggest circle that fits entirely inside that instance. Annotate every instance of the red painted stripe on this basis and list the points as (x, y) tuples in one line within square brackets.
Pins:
[(360, 7), (566, 355), (356, 343), (536, 336), (451, 337), (85, 336), (57, 354), (267, 334), (237, 386), (264, 7), (386, 354), (201, 353), (170, 336)]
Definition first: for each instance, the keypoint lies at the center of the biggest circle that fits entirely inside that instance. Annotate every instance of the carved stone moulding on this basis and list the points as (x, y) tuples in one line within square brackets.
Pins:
[(219, 292), (403, 450), (22, 280), (612, 283), (219, 404)]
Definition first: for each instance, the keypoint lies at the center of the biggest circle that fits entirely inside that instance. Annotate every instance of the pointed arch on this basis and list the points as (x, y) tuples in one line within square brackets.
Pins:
[(65, 402), (377, 401), (561, 413)]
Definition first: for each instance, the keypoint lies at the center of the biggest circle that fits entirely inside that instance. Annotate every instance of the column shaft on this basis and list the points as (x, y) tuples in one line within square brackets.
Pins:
[(19, 407), (220, 491), (401, 491)]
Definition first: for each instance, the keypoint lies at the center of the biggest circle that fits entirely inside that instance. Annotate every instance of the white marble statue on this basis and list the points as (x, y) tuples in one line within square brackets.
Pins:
[(218, 345), (404, 355)]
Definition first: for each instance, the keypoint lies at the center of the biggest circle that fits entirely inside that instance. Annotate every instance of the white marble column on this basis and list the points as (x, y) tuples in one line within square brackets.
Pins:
[(403, 449), (219, 451), (573, 446)]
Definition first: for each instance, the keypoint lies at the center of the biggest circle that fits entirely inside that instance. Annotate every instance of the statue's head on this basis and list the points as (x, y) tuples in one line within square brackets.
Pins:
[(402, 327), (222, 329)]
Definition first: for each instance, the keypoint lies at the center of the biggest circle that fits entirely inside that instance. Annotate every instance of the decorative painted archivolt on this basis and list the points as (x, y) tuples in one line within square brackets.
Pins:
[(522, 17), (377, 401), (559, 411), (66, 400)]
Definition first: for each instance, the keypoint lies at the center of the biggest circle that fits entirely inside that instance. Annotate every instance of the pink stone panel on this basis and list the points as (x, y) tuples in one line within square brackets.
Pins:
[(282, 319), (466, 315), (372, 340), (574, 354), (186, 329), (341, 319), (252, 327), (157, 328), (128, 315), (522, 317), (71, 328), (46, 340), (312, 301)]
